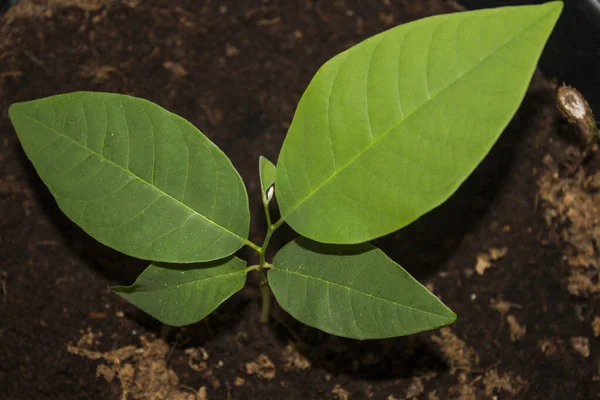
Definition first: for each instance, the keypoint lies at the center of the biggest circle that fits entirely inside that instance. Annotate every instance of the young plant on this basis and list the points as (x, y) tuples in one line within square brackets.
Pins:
[(386, 131)]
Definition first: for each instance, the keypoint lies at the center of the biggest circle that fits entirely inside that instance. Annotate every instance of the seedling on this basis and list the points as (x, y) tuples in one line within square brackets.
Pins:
[(386, 131)]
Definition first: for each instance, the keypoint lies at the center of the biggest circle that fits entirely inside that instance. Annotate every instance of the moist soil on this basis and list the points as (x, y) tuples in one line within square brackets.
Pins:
[(500, 252)]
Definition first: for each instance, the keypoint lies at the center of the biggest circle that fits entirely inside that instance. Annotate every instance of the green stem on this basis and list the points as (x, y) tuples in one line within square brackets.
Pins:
[(266, 299), (252, 246), (278, 223), (266, 207), (263, 250), (264, 283), (251, 268), (263, 265)]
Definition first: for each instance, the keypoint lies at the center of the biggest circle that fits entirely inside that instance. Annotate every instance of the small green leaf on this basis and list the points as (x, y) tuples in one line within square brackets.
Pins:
[(354, 291), (181, 294), (135, 176), (390, 128), (267, 178)]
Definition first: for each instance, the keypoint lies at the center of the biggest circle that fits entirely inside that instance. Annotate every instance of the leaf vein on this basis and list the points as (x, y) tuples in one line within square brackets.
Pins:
[(404, 118), (382, 299), (140, 179)]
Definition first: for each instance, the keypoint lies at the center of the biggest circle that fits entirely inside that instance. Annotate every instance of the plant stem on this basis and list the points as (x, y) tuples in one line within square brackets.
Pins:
[(263, 250), (264, 284), (263, 265), (266, 299), (266, 207), (278, 223), (252, 246), (251, 268)]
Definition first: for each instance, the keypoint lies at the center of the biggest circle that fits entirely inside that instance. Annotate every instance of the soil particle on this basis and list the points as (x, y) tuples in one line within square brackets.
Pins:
[(574, 210), (262, 367), (517, 331), (483, 263), (199, 353), (294, 360), (484, 260), (432, 396), (46, 7), (464, 389), (503, 307), (596, 326), (551, 347), (415, 389), (495, 383), (581, 345), (176, 69), (455, 351), (340, 392), (141, 371), (239, 381)]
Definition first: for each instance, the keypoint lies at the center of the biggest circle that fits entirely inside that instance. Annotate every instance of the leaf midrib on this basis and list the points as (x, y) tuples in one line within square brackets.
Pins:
[(360, 292), (109, 161), (242, 272), (404, 118)]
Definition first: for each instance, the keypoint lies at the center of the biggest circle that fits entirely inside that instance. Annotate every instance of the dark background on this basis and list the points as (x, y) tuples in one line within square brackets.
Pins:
[(576, 38)]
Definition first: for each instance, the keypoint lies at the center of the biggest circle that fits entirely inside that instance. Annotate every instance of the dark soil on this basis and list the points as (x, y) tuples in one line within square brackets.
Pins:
[(236, 71)]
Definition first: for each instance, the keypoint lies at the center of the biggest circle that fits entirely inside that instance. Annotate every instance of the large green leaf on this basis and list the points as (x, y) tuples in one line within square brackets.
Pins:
[(354, 291), (389, 129), (134, 176), (181, 294)]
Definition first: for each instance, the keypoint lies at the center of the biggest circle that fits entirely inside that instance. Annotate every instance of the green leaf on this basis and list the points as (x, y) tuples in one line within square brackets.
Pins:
[(267, 178), (389, 129), (134, 176), (354, 291), (181, 294)]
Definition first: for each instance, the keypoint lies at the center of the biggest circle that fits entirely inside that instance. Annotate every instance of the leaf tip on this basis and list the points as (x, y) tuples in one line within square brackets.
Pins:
[(14, 108), (120, 290), (15, 113), (559, 4), (452, 317), (554, 6), (448, 318)]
